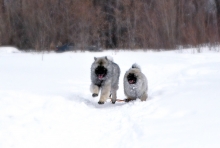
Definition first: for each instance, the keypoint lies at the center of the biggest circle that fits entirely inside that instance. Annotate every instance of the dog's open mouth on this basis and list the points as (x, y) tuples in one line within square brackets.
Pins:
[(101, 76), (131, 82)]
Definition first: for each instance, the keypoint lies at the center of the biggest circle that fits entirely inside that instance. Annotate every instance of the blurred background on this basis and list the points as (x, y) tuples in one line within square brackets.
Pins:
[(109, 24)]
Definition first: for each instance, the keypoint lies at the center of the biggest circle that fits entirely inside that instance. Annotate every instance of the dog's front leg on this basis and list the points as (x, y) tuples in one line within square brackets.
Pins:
[(105, 92), (94, 90)]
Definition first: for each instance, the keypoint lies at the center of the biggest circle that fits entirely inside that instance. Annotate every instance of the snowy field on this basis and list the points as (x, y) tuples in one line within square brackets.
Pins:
[(45, 101)]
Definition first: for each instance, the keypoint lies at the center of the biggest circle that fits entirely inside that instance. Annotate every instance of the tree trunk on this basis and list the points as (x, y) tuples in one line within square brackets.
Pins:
[(218, 15)]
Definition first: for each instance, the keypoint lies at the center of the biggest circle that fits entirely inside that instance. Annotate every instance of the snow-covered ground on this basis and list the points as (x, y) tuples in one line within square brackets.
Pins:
[(45, 101)]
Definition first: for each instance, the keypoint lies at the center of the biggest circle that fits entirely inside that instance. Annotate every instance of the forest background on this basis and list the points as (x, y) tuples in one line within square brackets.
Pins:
[(109, 24)]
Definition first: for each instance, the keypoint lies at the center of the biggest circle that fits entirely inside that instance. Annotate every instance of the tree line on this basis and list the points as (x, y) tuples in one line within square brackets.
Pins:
[(114, 24)]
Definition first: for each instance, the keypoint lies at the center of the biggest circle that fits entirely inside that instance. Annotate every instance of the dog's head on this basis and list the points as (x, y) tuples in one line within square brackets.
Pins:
[(101, 69), (132, 78), (101, 72)]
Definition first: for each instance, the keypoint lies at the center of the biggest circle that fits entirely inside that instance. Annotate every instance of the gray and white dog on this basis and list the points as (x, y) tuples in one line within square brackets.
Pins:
[(104, 76), (135, 84)]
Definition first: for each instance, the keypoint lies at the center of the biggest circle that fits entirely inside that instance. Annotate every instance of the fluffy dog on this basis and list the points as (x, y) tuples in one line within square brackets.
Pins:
[(104, 76), (135, 84)]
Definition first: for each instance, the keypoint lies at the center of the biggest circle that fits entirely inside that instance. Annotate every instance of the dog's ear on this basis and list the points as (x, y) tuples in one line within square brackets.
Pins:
[(109, 58), (95, 58)]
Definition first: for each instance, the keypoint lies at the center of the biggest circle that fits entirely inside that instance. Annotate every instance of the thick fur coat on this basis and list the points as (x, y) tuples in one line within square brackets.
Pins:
[(105, 77), (135, 84)]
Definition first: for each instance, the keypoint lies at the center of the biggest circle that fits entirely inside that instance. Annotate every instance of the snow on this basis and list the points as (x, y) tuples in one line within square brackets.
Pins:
[(45, 101)]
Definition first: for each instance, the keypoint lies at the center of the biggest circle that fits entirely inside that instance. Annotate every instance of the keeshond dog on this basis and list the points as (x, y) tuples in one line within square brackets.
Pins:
[(135, 84), (104, 76)]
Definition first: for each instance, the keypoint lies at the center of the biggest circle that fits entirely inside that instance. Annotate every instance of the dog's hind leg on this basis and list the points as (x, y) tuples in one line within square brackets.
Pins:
[(144, 96), (114, 96)]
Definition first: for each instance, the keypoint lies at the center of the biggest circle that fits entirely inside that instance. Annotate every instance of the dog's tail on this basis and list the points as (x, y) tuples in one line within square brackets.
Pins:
[(135, 65)]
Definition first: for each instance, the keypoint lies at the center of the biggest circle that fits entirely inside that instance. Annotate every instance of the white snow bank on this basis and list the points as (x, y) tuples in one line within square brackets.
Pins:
[(45, 101), (9, 50)]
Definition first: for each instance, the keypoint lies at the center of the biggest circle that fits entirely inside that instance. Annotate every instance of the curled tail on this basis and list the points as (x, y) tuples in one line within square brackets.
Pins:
[(135, 65)]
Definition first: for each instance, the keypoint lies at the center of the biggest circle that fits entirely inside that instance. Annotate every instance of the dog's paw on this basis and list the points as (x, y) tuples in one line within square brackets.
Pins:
[(113, 101), (100, 102), (128, 100), (94, 95)]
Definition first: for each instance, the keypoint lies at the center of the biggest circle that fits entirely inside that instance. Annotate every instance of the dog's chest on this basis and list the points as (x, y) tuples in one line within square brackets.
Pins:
[(132, 90)]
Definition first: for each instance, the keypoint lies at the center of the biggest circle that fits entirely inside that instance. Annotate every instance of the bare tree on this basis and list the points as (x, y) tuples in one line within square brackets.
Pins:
[(109, 23)]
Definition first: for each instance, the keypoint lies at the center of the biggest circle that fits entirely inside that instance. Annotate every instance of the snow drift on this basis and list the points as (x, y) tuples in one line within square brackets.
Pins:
[(45, 101)]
